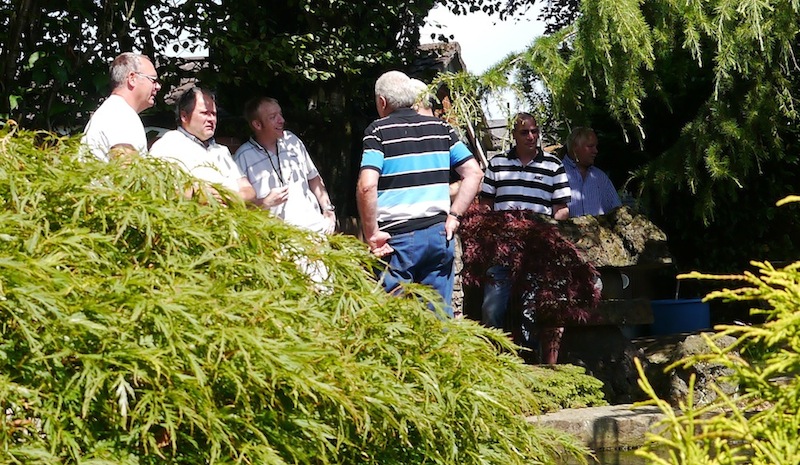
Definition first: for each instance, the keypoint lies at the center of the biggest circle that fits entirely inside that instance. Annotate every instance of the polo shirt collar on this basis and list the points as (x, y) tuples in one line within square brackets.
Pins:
[(512, 154), (205, 144)]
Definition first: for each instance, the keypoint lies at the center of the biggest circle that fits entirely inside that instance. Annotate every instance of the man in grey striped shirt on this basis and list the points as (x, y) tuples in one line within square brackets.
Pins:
[(524, 178)]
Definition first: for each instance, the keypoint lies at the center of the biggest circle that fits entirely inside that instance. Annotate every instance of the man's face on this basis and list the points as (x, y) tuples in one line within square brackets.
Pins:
[(526, 136), (146, 85), (586, 151), (270, 121), (202, 122)]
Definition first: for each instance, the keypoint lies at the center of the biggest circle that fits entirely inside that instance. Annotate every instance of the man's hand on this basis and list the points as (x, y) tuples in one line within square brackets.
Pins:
[(450, 226), (331, 217), (379, 244), (275, 197)]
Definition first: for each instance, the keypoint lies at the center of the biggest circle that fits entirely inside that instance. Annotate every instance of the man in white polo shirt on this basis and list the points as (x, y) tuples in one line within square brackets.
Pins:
[(134, 84), (193, 149), (280, 169)]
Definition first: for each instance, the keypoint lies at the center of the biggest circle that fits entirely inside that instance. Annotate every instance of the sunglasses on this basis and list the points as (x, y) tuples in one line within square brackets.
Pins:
[(152, 79)]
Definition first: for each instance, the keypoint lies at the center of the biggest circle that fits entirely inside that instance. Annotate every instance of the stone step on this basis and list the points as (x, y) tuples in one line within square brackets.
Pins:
[(608, 427)]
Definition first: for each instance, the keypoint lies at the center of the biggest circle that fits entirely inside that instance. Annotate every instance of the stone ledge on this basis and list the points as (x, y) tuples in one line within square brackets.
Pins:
[(621, 312), (609, 427)]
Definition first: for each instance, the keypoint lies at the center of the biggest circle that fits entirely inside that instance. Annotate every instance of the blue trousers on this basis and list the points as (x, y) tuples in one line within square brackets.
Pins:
[(423, 256), (496, 293)]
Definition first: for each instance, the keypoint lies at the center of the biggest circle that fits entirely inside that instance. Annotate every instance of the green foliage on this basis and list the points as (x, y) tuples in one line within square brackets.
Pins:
[(695, 105), (287, 47), (141, 328), (566, 386), (760, 424)]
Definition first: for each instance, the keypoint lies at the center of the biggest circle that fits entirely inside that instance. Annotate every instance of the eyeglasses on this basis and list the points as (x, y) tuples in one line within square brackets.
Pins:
[(152, 79), (525, 132)]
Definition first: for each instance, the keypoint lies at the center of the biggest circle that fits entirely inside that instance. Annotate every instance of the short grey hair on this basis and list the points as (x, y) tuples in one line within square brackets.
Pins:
[(395, 87), (424, 98), (122, 66), (578, 136)]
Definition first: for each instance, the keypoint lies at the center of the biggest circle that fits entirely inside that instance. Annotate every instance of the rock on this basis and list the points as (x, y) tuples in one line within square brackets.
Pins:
[(610, 427), (673, 386), (620, 238), (606, 354)]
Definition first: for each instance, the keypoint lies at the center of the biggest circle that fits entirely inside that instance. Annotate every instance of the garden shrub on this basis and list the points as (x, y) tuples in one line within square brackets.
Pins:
[(142, 328), (760, 424)]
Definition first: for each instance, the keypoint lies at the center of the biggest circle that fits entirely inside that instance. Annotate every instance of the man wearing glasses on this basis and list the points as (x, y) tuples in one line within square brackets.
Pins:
[(524, 178), (134, 85)]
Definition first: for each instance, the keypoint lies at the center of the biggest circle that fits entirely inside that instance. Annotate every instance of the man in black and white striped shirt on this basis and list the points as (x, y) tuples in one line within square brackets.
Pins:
[(524, 178)]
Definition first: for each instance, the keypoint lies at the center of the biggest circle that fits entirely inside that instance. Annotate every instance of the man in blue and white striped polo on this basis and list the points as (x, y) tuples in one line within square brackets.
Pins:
[(403, 189), (527, 178)]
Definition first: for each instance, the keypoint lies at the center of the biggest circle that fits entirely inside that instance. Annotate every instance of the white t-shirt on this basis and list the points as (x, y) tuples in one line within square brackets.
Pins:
[(291, 166), (114, 122), (212, 164)]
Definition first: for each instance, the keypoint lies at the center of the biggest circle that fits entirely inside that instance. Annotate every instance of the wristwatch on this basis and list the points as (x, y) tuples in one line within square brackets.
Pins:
[(328, 208)]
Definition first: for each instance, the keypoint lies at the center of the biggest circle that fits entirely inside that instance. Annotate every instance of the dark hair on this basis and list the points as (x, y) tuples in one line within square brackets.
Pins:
[(251, 106), (522, 116), (188, 100)]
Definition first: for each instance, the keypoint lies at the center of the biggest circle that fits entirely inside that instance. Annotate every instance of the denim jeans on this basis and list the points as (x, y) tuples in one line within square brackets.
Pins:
[(496, 293), (423, 256)]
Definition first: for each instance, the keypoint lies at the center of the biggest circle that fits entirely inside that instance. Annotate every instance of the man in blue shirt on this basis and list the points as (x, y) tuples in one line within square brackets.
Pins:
[(592, 191)]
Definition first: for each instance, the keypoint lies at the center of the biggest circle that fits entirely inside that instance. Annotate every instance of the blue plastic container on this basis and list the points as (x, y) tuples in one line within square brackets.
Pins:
[(679, 316)]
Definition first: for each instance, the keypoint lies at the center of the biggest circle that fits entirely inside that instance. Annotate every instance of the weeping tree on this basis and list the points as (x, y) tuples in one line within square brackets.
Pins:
[(696, 108), (139, 327)]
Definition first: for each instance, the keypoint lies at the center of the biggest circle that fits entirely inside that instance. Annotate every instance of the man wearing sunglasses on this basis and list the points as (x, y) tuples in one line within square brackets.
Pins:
[(524, 178), (134, 85)]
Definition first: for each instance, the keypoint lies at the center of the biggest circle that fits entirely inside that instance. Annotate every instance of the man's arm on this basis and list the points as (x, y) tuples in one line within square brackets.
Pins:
[(471, 176), (317, 186), (246, 191), (367, 200), (560, 211)]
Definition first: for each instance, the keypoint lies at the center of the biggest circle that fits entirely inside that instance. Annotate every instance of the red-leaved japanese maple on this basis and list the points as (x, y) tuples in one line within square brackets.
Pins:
[(543, 263)]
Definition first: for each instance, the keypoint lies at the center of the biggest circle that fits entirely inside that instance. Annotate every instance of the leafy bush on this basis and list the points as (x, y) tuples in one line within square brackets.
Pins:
[(566, 386), (141, 328), (759, 425), (542, 263)]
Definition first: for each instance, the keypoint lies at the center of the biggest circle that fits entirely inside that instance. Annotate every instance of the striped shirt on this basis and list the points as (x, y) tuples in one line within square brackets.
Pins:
[(592, 195), (413, 155), (536, 186)]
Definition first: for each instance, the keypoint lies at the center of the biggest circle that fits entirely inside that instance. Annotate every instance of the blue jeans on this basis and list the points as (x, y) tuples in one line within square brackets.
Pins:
[(496, 293), (423, 256)]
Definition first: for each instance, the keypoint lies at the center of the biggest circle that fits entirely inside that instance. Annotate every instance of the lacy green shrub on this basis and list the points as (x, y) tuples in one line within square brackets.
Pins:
[(566, 386), (142, 328), (760, 425)]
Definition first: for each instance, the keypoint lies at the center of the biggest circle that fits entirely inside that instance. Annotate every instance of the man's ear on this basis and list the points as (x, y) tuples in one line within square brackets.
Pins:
[(256, 124), (382, 104), (184, 117)]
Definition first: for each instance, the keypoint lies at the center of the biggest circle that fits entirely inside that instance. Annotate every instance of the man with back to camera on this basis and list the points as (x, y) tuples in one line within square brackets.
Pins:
[(281, 171), (193, 149), (116, 121), (527, 178), (403, 194), (592, 191)]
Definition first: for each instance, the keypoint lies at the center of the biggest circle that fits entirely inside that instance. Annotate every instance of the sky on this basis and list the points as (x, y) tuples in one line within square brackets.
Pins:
[(484, 39)]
